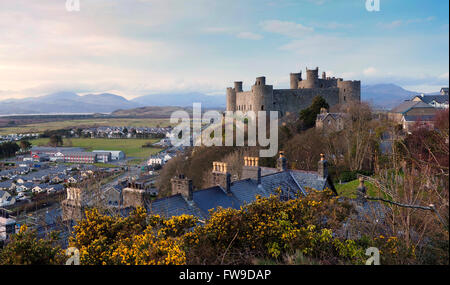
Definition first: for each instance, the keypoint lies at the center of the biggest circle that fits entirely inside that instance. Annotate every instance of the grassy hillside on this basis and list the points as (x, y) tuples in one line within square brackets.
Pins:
[(131, 147), (349, 189)]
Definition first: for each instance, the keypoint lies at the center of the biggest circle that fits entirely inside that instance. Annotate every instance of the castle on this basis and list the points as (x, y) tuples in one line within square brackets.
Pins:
[(263, 97)]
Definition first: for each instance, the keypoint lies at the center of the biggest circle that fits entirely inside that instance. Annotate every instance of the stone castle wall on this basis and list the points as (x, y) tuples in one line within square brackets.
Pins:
[(263, 97), (295, 100)]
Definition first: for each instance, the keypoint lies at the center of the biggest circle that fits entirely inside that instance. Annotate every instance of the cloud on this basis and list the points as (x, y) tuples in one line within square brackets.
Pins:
[(216, 30), (398, 23), (370, 71), (289, 29), (332, 25), (249, 36), (444, 76)]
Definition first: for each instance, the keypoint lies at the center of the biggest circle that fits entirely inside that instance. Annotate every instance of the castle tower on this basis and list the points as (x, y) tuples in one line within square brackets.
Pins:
[(238, 86), (349, 91), (231, 99), (262, 95), (312, 78), (295, 78)]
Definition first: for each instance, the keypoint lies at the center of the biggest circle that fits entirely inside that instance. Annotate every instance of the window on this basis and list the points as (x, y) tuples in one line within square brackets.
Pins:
[(262, 108)]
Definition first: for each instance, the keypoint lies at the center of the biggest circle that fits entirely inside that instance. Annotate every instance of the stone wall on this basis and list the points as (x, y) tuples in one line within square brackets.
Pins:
[(293, 101)]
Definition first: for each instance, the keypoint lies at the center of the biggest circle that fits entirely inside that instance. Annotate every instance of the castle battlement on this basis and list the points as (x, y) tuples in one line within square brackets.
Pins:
[(302, 91)]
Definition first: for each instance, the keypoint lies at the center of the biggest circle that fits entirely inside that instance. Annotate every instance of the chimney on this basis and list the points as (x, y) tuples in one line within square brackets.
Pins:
[(323, 167), (221, 177), (228, 183), (324, 75), (282, 162), (251, 169), (182, 185)]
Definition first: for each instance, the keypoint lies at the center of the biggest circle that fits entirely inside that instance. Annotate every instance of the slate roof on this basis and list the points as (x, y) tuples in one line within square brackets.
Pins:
[(214, 197), (2, 193), (322, 116), (430, 98), (309, 180), (5, 184), (419, 117), (246, 190), (174, 206), (408, 105), (291, 182)]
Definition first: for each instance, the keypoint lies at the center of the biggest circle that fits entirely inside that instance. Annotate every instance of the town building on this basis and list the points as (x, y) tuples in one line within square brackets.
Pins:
[(80, 157), (6, 199), (159, 159), (410, 112), (115, 154), (7, 225), (329, 122), (103, 156), (437, 101), (263, 97), (226, 193)]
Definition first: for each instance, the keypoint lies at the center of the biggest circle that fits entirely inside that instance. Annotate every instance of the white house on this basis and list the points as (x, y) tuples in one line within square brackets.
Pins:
[(39, 188), (7, 226), (6, 199), (159, 159)]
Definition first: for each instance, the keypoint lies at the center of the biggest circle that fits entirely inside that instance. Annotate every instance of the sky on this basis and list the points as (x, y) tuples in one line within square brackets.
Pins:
[(138, 47)]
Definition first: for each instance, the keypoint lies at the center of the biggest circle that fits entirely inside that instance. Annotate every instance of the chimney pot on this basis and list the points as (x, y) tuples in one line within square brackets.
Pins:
[(323, 167)]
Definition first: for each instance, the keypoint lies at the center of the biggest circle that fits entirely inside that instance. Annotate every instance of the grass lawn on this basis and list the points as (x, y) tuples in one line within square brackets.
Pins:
[(56, 125), (349, 189), (131, 147)]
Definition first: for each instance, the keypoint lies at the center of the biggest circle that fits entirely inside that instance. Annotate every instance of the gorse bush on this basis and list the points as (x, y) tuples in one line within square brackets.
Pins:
[(301, 230), (26, 249), (306, 230)]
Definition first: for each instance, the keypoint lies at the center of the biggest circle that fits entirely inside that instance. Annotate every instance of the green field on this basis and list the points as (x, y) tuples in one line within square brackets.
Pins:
[(349, 189), (56, 125), (131, 147)]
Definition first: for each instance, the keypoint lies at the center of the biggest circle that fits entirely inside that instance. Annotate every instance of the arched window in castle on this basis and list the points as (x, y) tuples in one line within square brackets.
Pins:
[(262, 108)]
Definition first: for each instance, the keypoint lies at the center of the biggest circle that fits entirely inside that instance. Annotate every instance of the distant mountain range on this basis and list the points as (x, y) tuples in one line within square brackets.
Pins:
[(385, 96), (69, 102), (380, 95), (65, 102)]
